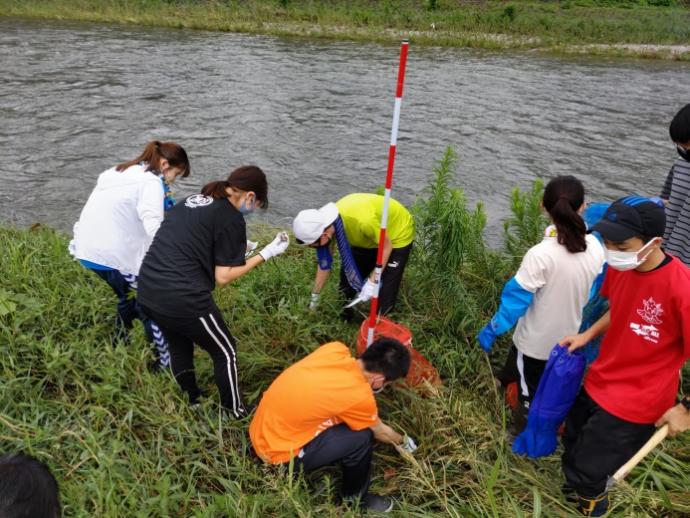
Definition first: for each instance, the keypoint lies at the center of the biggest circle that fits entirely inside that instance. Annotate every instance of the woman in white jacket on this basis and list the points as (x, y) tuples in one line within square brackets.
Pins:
[(117, 225)]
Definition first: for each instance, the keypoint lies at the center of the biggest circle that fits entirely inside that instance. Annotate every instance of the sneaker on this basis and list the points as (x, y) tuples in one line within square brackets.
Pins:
[(376, 503), (195, 398), (249, 410), (597, 506), (230, 415)]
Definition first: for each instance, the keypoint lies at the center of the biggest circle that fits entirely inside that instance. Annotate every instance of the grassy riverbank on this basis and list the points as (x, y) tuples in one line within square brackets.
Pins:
[(122, 442), (615, 27)]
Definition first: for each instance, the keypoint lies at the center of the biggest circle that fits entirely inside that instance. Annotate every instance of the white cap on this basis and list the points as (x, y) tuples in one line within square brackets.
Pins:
[(309, 224)]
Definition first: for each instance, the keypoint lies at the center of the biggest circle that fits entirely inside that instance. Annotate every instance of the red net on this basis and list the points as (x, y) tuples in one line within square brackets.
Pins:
[(420, 368)]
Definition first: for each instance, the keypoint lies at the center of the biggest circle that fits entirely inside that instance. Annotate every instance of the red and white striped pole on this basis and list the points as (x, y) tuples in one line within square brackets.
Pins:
[(389, 185)]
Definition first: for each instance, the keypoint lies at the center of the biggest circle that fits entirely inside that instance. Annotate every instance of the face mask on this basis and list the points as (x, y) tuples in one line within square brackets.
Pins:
[(379, 389), (623, 261), (247, 208), (684, 153)]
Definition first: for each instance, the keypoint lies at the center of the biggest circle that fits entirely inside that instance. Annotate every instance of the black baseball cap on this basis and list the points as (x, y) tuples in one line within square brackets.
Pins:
[(632, 216)]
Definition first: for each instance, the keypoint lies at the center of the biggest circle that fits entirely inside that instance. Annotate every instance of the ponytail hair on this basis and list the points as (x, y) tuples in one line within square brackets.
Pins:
[(215, 190), (563, 197), (244, 178), (157, 150)]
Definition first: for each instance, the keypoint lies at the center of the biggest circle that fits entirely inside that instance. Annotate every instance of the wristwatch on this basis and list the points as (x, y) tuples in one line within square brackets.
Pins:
[(686, 403)]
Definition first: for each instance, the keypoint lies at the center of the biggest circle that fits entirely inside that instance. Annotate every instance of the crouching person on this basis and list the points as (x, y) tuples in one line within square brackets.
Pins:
[(322, 411)]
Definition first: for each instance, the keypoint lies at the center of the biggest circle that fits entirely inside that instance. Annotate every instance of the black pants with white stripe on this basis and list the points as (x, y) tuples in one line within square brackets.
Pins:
[(527, 372), (211, 334)]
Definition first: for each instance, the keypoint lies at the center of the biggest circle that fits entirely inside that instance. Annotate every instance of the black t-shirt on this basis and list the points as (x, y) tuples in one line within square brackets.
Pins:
[(178, 272)]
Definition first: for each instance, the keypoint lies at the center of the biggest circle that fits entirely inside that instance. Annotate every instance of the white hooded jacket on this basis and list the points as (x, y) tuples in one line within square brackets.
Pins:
[(119, 220)]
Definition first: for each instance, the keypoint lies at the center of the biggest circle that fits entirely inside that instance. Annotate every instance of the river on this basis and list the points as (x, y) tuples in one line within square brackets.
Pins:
[(77, 98)]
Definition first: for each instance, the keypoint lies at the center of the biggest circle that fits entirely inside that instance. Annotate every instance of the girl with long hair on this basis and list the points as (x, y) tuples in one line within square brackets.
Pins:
[(202, 244), (117, 225), (546, 296)]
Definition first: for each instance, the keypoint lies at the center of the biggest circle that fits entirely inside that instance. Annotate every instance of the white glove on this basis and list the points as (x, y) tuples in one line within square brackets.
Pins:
[(314, 301), (367, 292), (276, 247), (251, 246), (408, 444)]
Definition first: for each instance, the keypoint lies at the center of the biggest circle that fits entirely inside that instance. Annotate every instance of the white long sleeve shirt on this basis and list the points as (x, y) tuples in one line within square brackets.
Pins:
[(119, 220)]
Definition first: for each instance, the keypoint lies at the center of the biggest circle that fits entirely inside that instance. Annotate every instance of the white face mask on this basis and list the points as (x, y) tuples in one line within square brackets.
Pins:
[(623, 261), (379, 389)]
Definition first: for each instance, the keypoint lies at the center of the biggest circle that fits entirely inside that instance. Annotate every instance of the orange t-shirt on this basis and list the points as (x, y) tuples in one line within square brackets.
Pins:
[(323, 389)]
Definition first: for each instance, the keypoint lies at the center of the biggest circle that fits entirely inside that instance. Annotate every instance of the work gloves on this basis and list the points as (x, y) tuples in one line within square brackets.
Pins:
[(408, 444), (366, 293), (275, 247), (486, 337), (251, 246)]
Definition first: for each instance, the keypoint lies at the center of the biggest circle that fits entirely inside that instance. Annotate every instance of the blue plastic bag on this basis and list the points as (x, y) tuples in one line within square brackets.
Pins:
[(556, 393)]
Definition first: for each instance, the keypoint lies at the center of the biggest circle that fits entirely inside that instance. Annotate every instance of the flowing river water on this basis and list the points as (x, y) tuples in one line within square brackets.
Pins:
[(77, 98)]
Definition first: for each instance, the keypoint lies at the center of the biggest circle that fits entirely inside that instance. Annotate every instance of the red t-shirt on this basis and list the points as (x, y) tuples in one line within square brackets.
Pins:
[(636, 375)]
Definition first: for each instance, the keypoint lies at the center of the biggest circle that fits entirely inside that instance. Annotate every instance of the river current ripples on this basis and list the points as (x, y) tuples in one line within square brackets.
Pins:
[(78, 98)]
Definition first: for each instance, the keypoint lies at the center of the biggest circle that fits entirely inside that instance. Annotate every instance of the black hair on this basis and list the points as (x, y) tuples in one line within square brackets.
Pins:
[(387, 356), (563, 196), (27, 488), (679, 130)]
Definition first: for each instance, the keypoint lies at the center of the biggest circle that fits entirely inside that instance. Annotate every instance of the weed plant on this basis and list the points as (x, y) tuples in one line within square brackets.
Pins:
[(122, 441), (526, 224)]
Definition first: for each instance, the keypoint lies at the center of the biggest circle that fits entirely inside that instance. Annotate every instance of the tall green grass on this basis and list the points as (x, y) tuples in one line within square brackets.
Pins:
[(122, 441), (485, 23)]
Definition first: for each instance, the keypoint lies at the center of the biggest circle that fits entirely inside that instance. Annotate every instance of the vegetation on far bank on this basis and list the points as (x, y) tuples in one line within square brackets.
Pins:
[(623, 27), (123, 442)]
